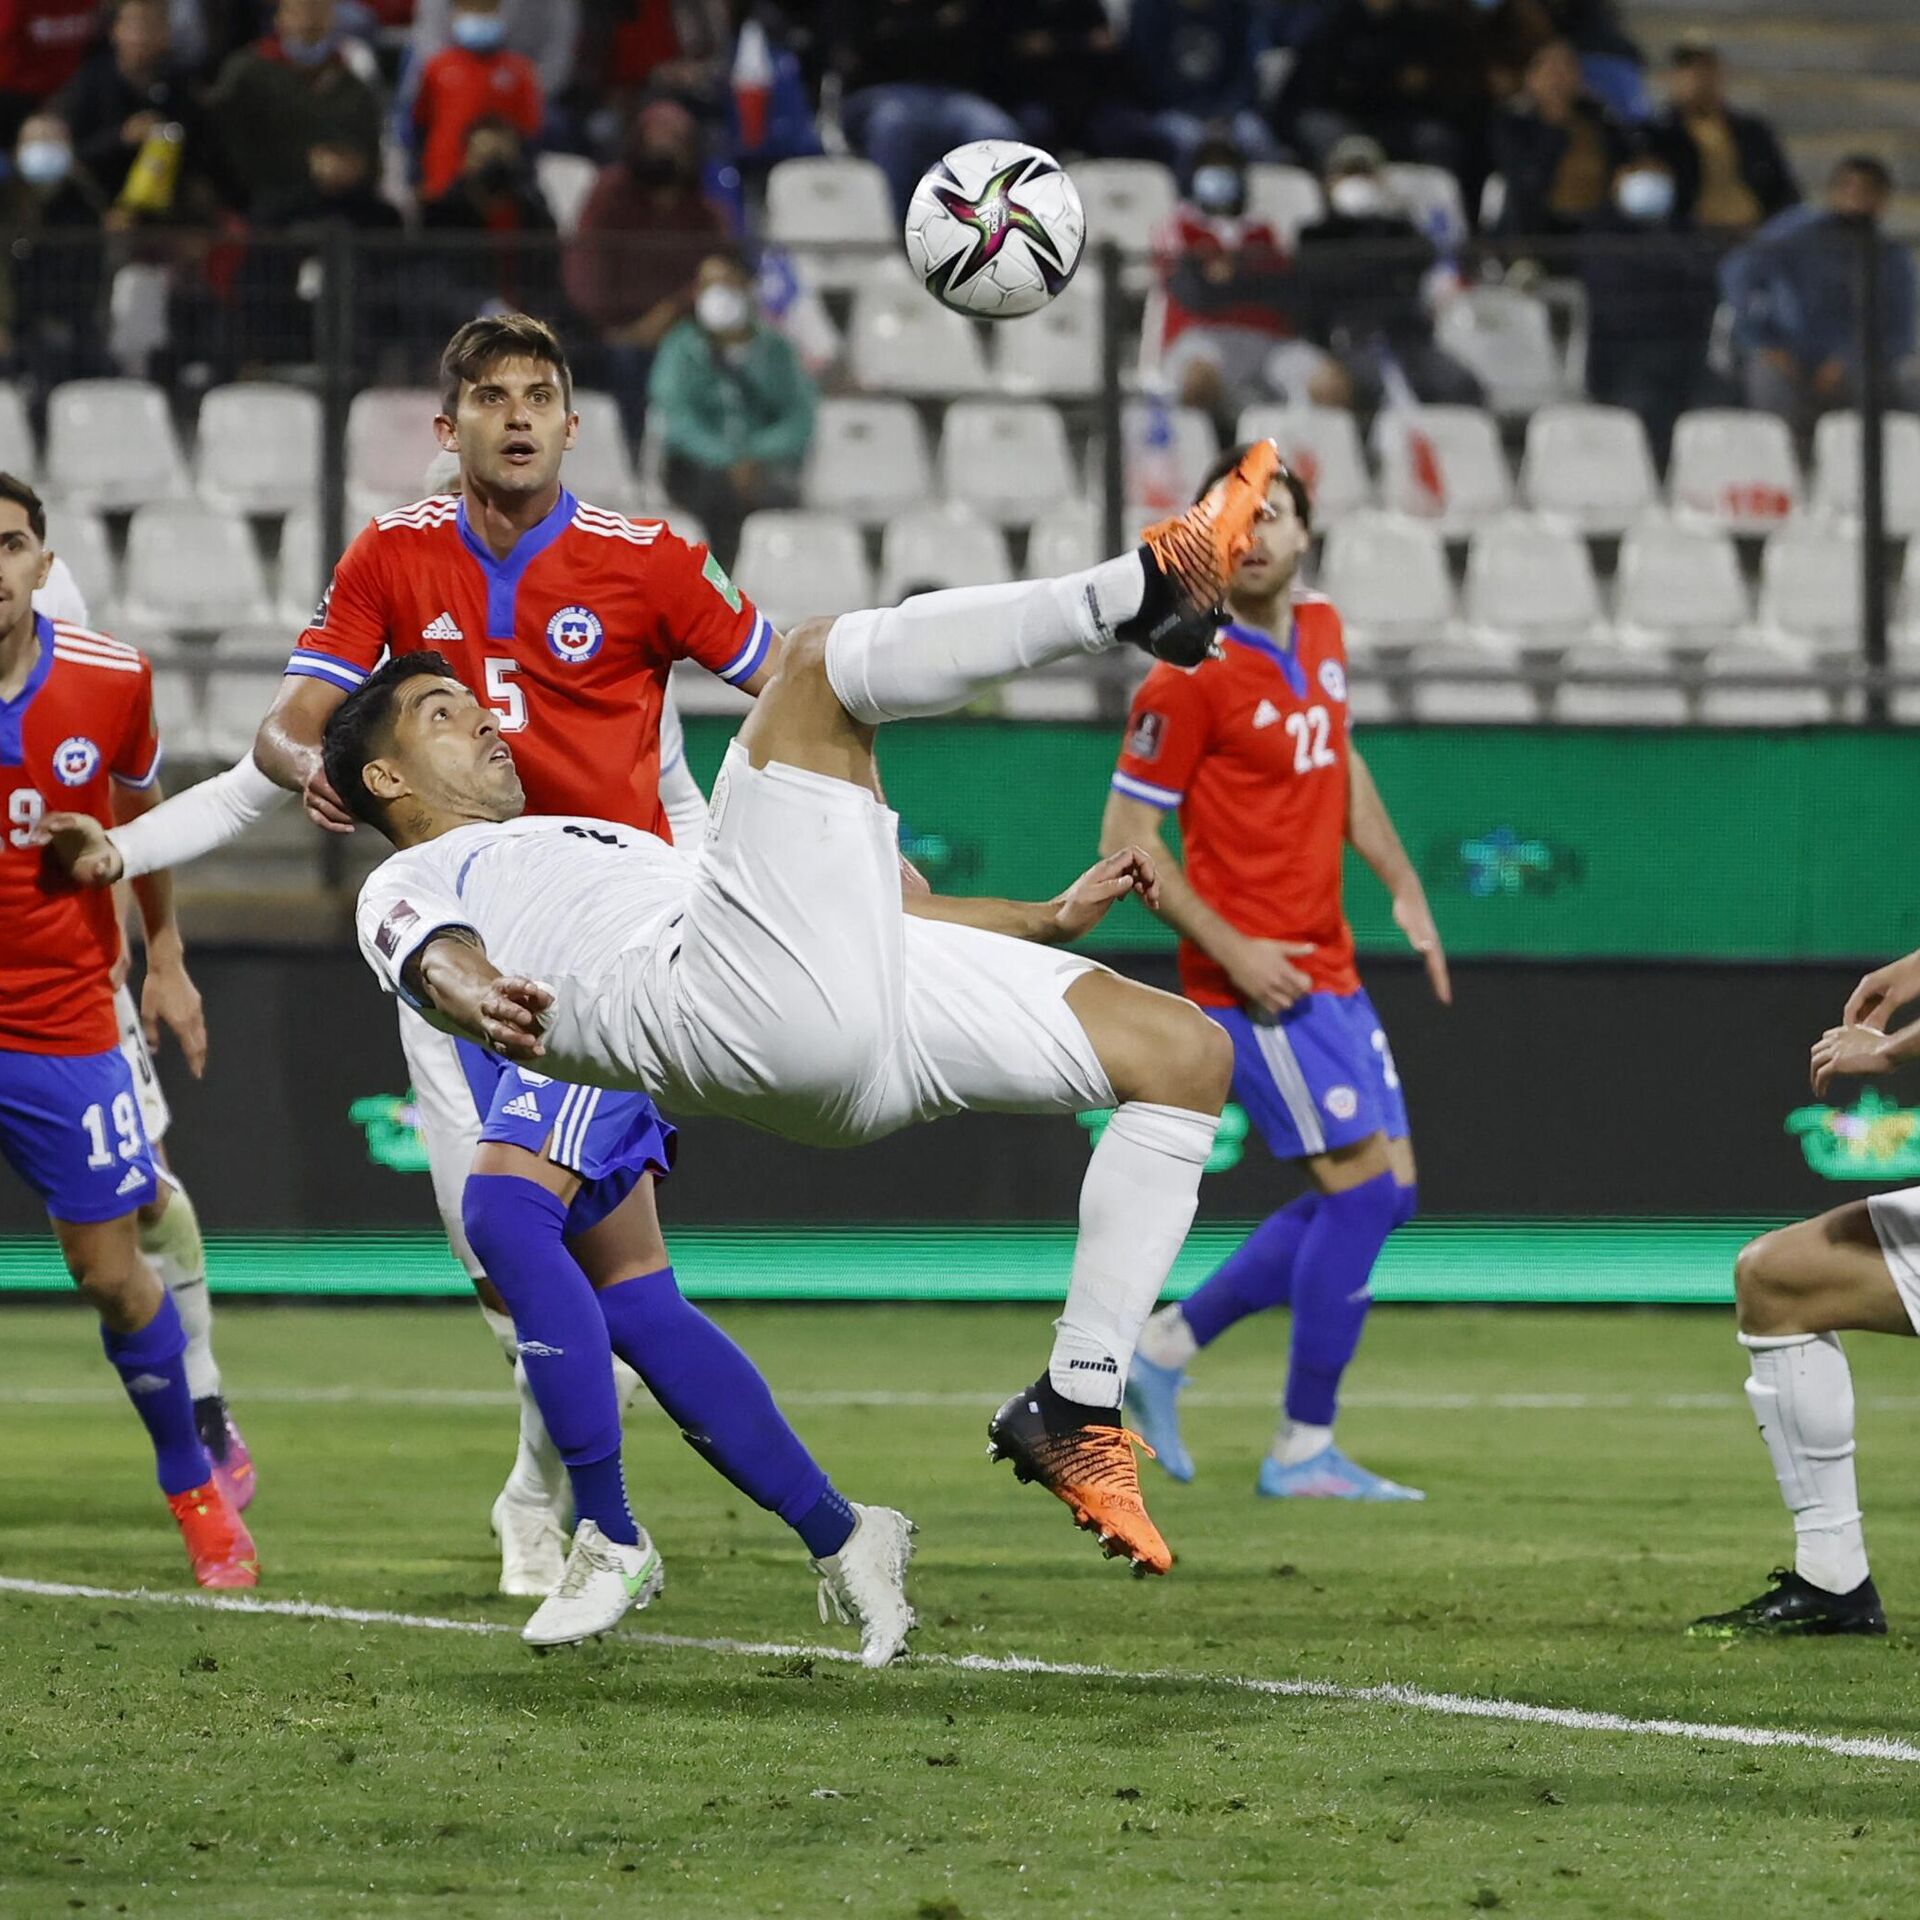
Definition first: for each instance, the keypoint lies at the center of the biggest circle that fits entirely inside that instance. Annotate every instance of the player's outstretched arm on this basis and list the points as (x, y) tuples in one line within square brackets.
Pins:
[(1069, 915), (287, 747), (504, 1012), (1854, 1053), (1371, 831), (1883, 992)]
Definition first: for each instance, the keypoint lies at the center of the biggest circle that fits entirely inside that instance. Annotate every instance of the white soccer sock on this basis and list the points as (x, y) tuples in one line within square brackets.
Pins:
[(1801, 1392), (500, 1325), (539, 1475), (174, 1246), (1136, 1205), (1296, 1441), (626, 1383), (1166, 1340), (935, 652)]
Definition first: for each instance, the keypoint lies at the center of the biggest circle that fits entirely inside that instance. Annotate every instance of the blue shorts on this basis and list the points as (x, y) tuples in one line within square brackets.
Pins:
[(609, 1139), (70, 1127), (1318, 1076)]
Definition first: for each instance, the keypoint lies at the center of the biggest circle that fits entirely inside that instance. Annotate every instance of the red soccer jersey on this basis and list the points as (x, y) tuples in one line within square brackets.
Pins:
[(456, 89), (83, 720), (568, 639), (1252, 749)]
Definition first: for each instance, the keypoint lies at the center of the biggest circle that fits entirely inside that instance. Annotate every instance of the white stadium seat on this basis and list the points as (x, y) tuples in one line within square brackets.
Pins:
[(18, 455), (111, 444), (192, 567), (253, 646), (1531, 578), (1431, 195), (1322, 446), (1387, 574), (835, 210), (1054, 351), (1592, 464), (1287, 198), (237, 701), (257, 447), (1168, 451), (903, 341), (1125, 201), (1449, 684), (1065, 539), (1810, 584), (564, 180), (868, 458), (1836, 468), (177, 715), (1679, 581), (795, 564), (1603, 684), (1734, 467), (597, 470), (1784, 697), (1445, 464), (301, 580), (389, 443), (1505, 339), (79, 536), (943, 546), (1007, 458)]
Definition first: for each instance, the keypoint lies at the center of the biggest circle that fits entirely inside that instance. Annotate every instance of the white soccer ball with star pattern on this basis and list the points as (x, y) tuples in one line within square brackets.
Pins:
[(995, 229)]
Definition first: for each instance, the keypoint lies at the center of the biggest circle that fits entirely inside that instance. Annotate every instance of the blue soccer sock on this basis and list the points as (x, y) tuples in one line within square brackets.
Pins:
[(1258, 1274), (517, 1228), (716, 1396), (151, 1363), (1330, 1292)]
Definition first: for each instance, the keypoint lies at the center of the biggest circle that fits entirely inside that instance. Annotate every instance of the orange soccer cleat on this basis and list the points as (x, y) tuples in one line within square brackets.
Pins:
[(1194, 555), (218, 1543), (1091, 1468)]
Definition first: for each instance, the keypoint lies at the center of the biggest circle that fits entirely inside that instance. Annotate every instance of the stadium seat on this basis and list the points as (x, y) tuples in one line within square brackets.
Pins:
[(1054, 351), (111, 444), (1068, 694), (1387, 575), (301, 579), (1370, 696), (253, 646), (901, 341), (835, 210), (1529, 577), (79, 536), (18, 454), (1505, 339), (564, 180), (191, 567), (1444, 464), (1603, 684), (1169, 450), (1125, 201), (177, 715), (1432, 196), (944, 546), (1779, 691), (237, 701), (257, 448), (1592, 464), (795, 564), (868, 459), (1287, 198), (1678, 584), (697, 691), (597, 469), (1471, 680), (1734, 467), (1322, 446), (1007, 458), (1810, 584), (1836, 468), (389, 443), (1065, 539)]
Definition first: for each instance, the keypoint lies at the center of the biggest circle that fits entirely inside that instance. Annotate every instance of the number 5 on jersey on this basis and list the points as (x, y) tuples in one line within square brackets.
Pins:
[(506, 696)]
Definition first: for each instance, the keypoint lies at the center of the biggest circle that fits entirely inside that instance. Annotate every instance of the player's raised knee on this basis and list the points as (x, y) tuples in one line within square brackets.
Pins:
[(1763, 1286), (1176, 1056)]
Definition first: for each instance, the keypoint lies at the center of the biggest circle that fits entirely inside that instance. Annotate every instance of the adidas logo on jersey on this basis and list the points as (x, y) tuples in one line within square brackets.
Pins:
[(522, 1107), (1266, 714), (444, 628), (131, 1182)]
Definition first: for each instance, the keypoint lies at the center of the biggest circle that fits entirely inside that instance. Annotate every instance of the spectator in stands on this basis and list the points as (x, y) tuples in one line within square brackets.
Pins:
[(1227, 291), (42, 43), (636, 50), (130, 103), (298, 89), (914, 73), (734, 408), (1651, 294), (1556, 148), (1058, 68), (643, 233), (1194, 67), (1794, 292), (1366, 274), (1728, 170), (547, 32), (478, 76), (50, 294), (496, 195)]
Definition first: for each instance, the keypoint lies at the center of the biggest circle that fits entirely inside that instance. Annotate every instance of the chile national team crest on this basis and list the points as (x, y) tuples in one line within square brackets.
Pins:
[(574, 634), (76, 760)]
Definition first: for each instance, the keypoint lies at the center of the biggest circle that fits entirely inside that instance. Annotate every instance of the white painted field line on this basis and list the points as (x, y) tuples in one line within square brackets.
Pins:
[(1411, 1699)]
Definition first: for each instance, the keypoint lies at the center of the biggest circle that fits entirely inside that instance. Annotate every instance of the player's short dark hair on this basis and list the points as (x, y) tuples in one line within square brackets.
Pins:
[(1869, 165), (480, 346), (1302, 499), (360, 729), (13, 488)]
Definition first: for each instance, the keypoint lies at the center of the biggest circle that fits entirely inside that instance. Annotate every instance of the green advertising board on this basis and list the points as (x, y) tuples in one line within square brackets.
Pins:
[(1534, 842)]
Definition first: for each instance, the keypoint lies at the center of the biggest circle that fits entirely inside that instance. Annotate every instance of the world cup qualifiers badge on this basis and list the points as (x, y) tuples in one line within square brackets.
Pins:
[(76, 761), (574, 634)]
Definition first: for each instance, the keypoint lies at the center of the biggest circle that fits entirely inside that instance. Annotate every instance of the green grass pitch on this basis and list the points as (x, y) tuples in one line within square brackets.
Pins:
[(1594, 1480)]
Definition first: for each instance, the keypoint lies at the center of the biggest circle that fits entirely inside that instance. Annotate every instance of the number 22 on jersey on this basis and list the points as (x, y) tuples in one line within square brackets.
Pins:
[(1310, 733)]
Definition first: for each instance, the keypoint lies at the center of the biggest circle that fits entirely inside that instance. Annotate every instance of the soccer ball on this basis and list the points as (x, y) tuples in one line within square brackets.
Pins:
[(995, 229)]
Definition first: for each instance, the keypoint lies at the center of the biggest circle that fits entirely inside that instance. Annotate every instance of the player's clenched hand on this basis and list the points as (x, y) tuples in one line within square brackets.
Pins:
[(323, 805), (1883, 993), (168, 997), (1847, 1053), (509, 1015), (1264, 976), (1085, 904), (80, 844), (1414, 918)]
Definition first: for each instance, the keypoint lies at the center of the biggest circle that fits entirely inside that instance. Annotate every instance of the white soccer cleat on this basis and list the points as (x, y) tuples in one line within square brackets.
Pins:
[(533, 1549), (603, 1582), (865, 1583)]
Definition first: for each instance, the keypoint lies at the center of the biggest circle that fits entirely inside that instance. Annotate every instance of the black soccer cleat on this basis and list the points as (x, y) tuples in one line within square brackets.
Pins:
[(1796, 1606)]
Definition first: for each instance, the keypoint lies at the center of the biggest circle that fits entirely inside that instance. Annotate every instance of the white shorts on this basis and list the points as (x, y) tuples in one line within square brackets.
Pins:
[(449, 1123), (1896, 1222), (802, 998), (154, 1111)]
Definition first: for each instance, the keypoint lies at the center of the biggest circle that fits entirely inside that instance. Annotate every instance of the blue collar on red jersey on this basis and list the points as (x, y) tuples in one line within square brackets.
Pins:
[(503, 576), (13, 712), (1286, 658)]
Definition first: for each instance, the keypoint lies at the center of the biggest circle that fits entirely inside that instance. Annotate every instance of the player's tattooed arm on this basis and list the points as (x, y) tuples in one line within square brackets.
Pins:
[(1067, 916), (504, 1012)]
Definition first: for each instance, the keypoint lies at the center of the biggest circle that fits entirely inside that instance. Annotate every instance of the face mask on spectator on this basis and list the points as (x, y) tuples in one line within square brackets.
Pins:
[(1358, 196), (1219, 189), (43, 163), (722, 307), (1646, 195), (479, 32)]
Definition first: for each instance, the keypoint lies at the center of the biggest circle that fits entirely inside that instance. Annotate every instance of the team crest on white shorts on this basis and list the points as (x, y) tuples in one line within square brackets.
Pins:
[(1333, 679), (1342, 1102), (574, 634), (76, 760)]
